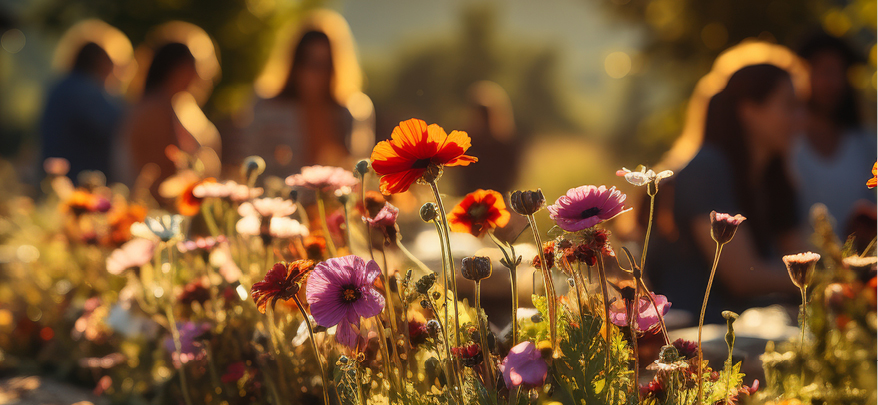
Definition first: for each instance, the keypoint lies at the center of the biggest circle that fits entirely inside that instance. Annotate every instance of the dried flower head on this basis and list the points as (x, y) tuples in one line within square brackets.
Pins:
[(527, 202), (416, 150), (476, 268), (586, 206), (723, 226), (429, 212), (478, 213), (280, 283), (801, 267)]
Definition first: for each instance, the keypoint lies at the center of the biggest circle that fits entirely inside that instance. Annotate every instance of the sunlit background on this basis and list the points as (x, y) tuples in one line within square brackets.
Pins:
[(608, 80)]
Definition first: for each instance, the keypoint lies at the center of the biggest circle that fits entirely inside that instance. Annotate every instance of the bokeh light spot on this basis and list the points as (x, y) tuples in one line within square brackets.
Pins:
[(617, 65), (13, 40)]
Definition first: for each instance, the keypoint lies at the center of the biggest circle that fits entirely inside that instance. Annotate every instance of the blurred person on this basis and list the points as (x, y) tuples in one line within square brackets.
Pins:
[(81, 119), (835, 145), (154, 130), (310, 121), (491, 126), (740, 168)]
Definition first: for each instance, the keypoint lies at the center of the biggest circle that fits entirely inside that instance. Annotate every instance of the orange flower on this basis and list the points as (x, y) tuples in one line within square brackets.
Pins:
[(414, 148), (121, 218), (479, 212), (280, 283), (871, 183), (187, 203)]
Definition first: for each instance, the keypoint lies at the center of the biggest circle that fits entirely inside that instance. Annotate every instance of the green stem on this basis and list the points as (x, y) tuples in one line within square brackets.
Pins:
[(385, 353), (513, 277), (450, 370), (317, 355), (549, 284), (483, 337), (330, 245), (804, 325), (606, 297), (411, 257), (719, 250), (209, 219), (648, 230), (178, 346), (633, 313)]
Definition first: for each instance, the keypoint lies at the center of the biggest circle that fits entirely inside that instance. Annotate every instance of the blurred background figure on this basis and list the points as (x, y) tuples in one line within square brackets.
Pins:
[(740, 168), (835, 144), (81, 118), (308, 120), (167, 133), (491, 125)]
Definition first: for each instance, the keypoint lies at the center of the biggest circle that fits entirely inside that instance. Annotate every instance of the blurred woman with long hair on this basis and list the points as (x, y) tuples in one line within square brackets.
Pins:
[(741, 167), (309, 121)]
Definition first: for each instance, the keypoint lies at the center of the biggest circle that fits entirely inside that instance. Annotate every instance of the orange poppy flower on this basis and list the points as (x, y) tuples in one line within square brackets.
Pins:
[(479, 212), (187, 203), (413, 148), (871, 183)]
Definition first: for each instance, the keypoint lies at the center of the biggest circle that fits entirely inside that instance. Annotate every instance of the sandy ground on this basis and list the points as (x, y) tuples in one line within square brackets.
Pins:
[(39, 391)]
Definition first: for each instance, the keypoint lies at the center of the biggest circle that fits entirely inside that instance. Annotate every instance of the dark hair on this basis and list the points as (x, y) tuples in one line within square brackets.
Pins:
[(90, 57), (846, 114), (167, 59), (299, 54), (723, 130)]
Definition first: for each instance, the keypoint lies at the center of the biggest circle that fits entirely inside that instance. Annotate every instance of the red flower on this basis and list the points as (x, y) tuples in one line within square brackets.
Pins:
[(413, 148), (479, 212), (281, 282), (187, 203)]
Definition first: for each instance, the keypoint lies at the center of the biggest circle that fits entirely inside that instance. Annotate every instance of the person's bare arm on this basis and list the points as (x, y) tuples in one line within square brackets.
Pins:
[(740, 269)]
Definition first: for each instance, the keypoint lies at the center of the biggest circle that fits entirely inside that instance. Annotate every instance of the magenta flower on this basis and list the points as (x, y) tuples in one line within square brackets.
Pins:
[(647, 318), (524, 366), (385, 221), (322, 178), (586, 206), (340, 292)]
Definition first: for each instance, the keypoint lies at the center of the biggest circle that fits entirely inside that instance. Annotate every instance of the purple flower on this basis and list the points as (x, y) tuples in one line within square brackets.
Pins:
[(586, 206), (190, 347), (322, 178), (340, 292), (524, 366), (647, 318)]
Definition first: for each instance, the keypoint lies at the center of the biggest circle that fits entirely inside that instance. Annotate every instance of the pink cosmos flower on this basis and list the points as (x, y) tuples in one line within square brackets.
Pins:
[(524, 366), (647, 318), (340, 291), (322, 178), (586, 206), (267, 207), (228, 189), (134, 253)]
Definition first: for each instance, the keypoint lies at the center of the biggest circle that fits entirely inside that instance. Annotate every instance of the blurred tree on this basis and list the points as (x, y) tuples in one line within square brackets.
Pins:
[(685, 36), (430, 81)]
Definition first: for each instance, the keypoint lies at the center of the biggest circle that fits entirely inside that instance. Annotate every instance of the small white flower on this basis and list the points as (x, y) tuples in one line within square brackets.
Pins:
[(268, 207), (644, 176), (248, 225), (166, 227), (284, 227)]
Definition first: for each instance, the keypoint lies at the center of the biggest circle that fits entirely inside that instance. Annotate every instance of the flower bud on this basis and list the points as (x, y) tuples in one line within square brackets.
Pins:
[(433, 328), (527, 202), (801, 267), (429, 212), (731, 317), (252, 165), (362, 167), (723, 226), (423, 285), (476, 268)]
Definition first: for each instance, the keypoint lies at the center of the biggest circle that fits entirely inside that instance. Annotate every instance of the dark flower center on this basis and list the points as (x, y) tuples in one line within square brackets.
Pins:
[(421, 164), (350, 293), (590, 212), (477, 211)]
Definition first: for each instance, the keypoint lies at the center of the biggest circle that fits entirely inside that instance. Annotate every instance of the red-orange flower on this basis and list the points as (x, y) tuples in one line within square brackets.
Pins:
[(871, 183), (187, 203), (281, 283), (415, 147), (479, 212)]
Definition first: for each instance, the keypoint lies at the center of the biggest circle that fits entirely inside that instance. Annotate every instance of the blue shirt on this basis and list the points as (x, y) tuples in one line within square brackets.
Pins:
[(79, 123)]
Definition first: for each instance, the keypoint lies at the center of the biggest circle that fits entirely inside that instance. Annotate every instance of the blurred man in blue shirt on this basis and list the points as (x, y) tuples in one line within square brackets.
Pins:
[(81, 119)]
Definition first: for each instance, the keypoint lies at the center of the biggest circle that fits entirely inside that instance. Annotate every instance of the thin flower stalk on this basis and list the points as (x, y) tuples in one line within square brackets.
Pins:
[(719, 250), (632, 322), (363, 200), (512, 264), (483, 337), (605, 295), (324, 221), (549, 284), (317, 355), (172, 322), (804, 324), (385, 353)]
